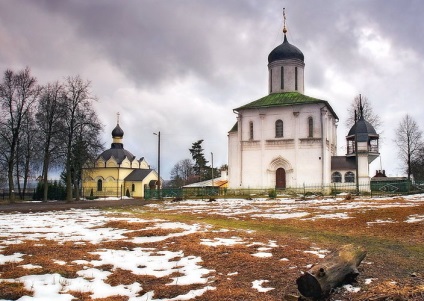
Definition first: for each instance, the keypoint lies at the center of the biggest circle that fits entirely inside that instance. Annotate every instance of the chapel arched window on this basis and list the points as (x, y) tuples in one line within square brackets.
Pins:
[(349, 177), (336, 177)]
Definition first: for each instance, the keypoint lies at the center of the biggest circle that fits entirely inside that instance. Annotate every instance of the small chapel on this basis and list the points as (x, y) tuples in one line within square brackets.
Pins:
[(288, 139), (117, 172)]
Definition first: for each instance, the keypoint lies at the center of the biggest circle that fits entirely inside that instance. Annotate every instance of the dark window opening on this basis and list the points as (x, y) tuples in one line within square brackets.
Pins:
[(310, 127), (99, 185), (349, 177), (295, 78), (336, 177), (270, 80), (279, 128)]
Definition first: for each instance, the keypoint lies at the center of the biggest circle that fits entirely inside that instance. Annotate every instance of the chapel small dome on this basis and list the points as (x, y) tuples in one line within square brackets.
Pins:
[(285, 51), (363, 129), (117, 132)]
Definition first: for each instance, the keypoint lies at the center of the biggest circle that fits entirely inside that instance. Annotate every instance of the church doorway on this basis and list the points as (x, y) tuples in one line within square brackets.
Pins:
[(280, 178)]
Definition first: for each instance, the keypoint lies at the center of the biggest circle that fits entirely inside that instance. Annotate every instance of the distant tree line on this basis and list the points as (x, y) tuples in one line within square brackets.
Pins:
[(188, 171), (44, 128)]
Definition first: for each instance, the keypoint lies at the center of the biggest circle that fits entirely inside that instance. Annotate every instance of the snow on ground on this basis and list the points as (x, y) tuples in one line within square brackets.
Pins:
[(90, 226), (257, 284), (286, 208)]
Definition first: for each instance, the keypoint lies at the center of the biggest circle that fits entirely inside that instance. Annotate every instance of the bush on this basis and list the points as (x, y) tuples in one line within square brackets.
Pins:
[(272, 194), (56, 191)]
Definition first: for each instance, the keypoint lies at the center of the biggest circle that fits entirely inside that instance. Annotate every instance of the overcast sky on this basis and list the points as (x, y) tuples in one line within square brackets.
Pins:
[(180, 67)]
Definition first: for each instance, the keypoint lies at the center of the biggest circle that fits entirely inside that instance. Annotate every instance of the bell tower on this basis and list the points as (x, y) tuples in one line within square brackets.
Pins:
[(362, 144)]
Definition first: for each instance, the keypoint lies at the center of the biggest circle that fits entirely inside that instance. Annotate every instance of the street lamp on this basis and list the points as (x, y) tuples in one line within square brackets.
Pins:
[(212, 169), (158, 181)]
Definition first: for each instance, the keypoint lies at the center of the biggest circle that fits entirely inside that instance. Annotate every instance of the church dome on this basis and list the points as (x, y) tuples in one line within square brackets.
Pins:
[(117, 132), (117, 150), (363, 129), (118, 153), (285, 51)]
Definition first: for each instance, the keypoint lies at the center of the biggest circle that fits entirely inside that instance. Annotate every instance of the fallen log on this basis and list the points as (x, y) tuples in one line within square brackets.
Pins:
[(338, 267)]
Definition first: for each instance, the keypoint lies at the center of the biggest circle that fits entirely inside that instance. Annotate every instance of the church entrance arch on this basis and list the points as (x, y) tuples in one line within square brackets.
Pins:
[(280, 178), (280, 173)]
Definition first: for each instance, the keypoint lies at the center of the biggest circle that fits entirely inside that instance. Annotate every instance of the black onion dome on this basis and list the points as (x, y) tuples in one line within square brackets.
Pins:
[(363, 129), (285, 51), (117, 132), (117, 152)]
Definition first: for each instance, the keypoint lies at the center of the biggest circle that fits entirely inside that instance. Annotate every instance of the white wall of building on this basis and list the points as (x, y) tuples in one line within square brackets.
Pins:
[(306, 160)]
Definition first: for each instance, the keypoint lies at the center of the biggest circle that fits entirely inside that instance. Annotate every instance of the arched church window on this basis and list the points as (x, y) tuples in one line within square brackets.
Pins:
[(282, 78), (279, 128), (349, 177), (251, 130), (336, 177), (99, 185), (295, 78), (270, 80), (133, 187), (310, 127)]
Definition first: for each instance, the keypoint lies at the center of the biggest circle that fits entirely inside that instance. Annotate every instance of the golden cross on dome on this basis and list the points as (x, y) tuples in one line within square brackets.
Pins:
[(117, 117), (284, 17)]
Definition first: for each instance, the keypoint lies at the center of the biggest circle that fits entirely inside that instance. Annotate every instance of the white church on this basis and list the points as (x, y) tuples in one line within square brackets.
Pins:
[(288, 139)]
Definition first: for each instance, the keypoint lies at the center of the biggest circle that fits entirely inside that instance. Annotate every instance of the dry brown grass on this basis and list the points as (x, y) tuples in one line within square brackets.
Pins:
[(43, 253), (13, 290), (395, 255), (122, 224)]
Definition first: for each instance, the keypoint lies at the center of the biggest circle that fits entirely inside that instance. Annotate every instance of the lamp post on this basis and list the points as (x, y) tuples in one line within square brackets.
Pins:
[(212, 170), (158, 181)]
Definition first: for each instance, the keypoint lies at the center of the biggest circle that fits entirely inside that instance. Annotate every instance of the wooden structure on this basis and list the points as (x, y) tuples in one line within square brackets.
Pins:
[(338, 267)]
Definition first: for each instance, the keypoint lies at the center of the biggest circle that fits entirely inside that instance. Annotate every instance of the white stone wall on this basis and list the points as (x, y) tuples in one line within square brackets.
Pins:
[(306, 160), (274, 70)]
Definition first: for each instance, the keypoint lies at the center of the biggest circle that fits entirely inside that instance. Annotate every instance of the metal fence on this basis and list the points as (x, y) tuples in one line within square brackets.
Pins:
[(333, 189), (93, 193), (375, 188), (28, 195)]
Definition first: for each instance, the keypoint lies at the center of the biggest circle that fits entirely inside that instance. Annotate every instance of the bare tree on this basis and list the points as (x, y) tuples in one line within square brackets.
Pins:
[(367, 112), (50, 121), (409, 141), (417, 165), (80, 122), (26, 153), (183, 173), (18, 93)]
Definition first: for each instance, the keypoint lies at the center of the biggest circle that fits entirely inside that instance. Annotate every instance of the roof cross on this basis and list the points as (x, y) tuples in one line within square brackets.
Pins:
[(117, 118), (284, 18)]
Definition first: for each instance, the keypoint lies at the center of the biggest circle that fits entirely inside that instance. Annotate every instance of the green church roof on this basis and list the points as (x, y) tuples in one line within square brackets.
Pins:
[(283, 100)]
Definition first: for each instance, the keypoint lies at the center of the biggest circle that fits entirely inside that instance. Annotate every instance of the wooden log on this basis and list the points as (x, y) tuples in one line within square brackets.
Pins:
[(338, 267)]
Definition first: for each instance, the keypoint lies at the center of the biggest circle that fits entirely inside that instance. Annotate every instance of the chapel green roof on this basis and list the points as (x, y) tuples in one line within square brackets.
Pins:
[(283, 100)]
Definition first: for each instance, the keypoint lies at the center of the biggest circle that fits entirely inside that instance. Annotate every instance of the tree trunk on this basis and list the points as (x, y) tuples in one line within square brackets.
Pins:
[(336, 268), (10, 179), (45, 176)]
